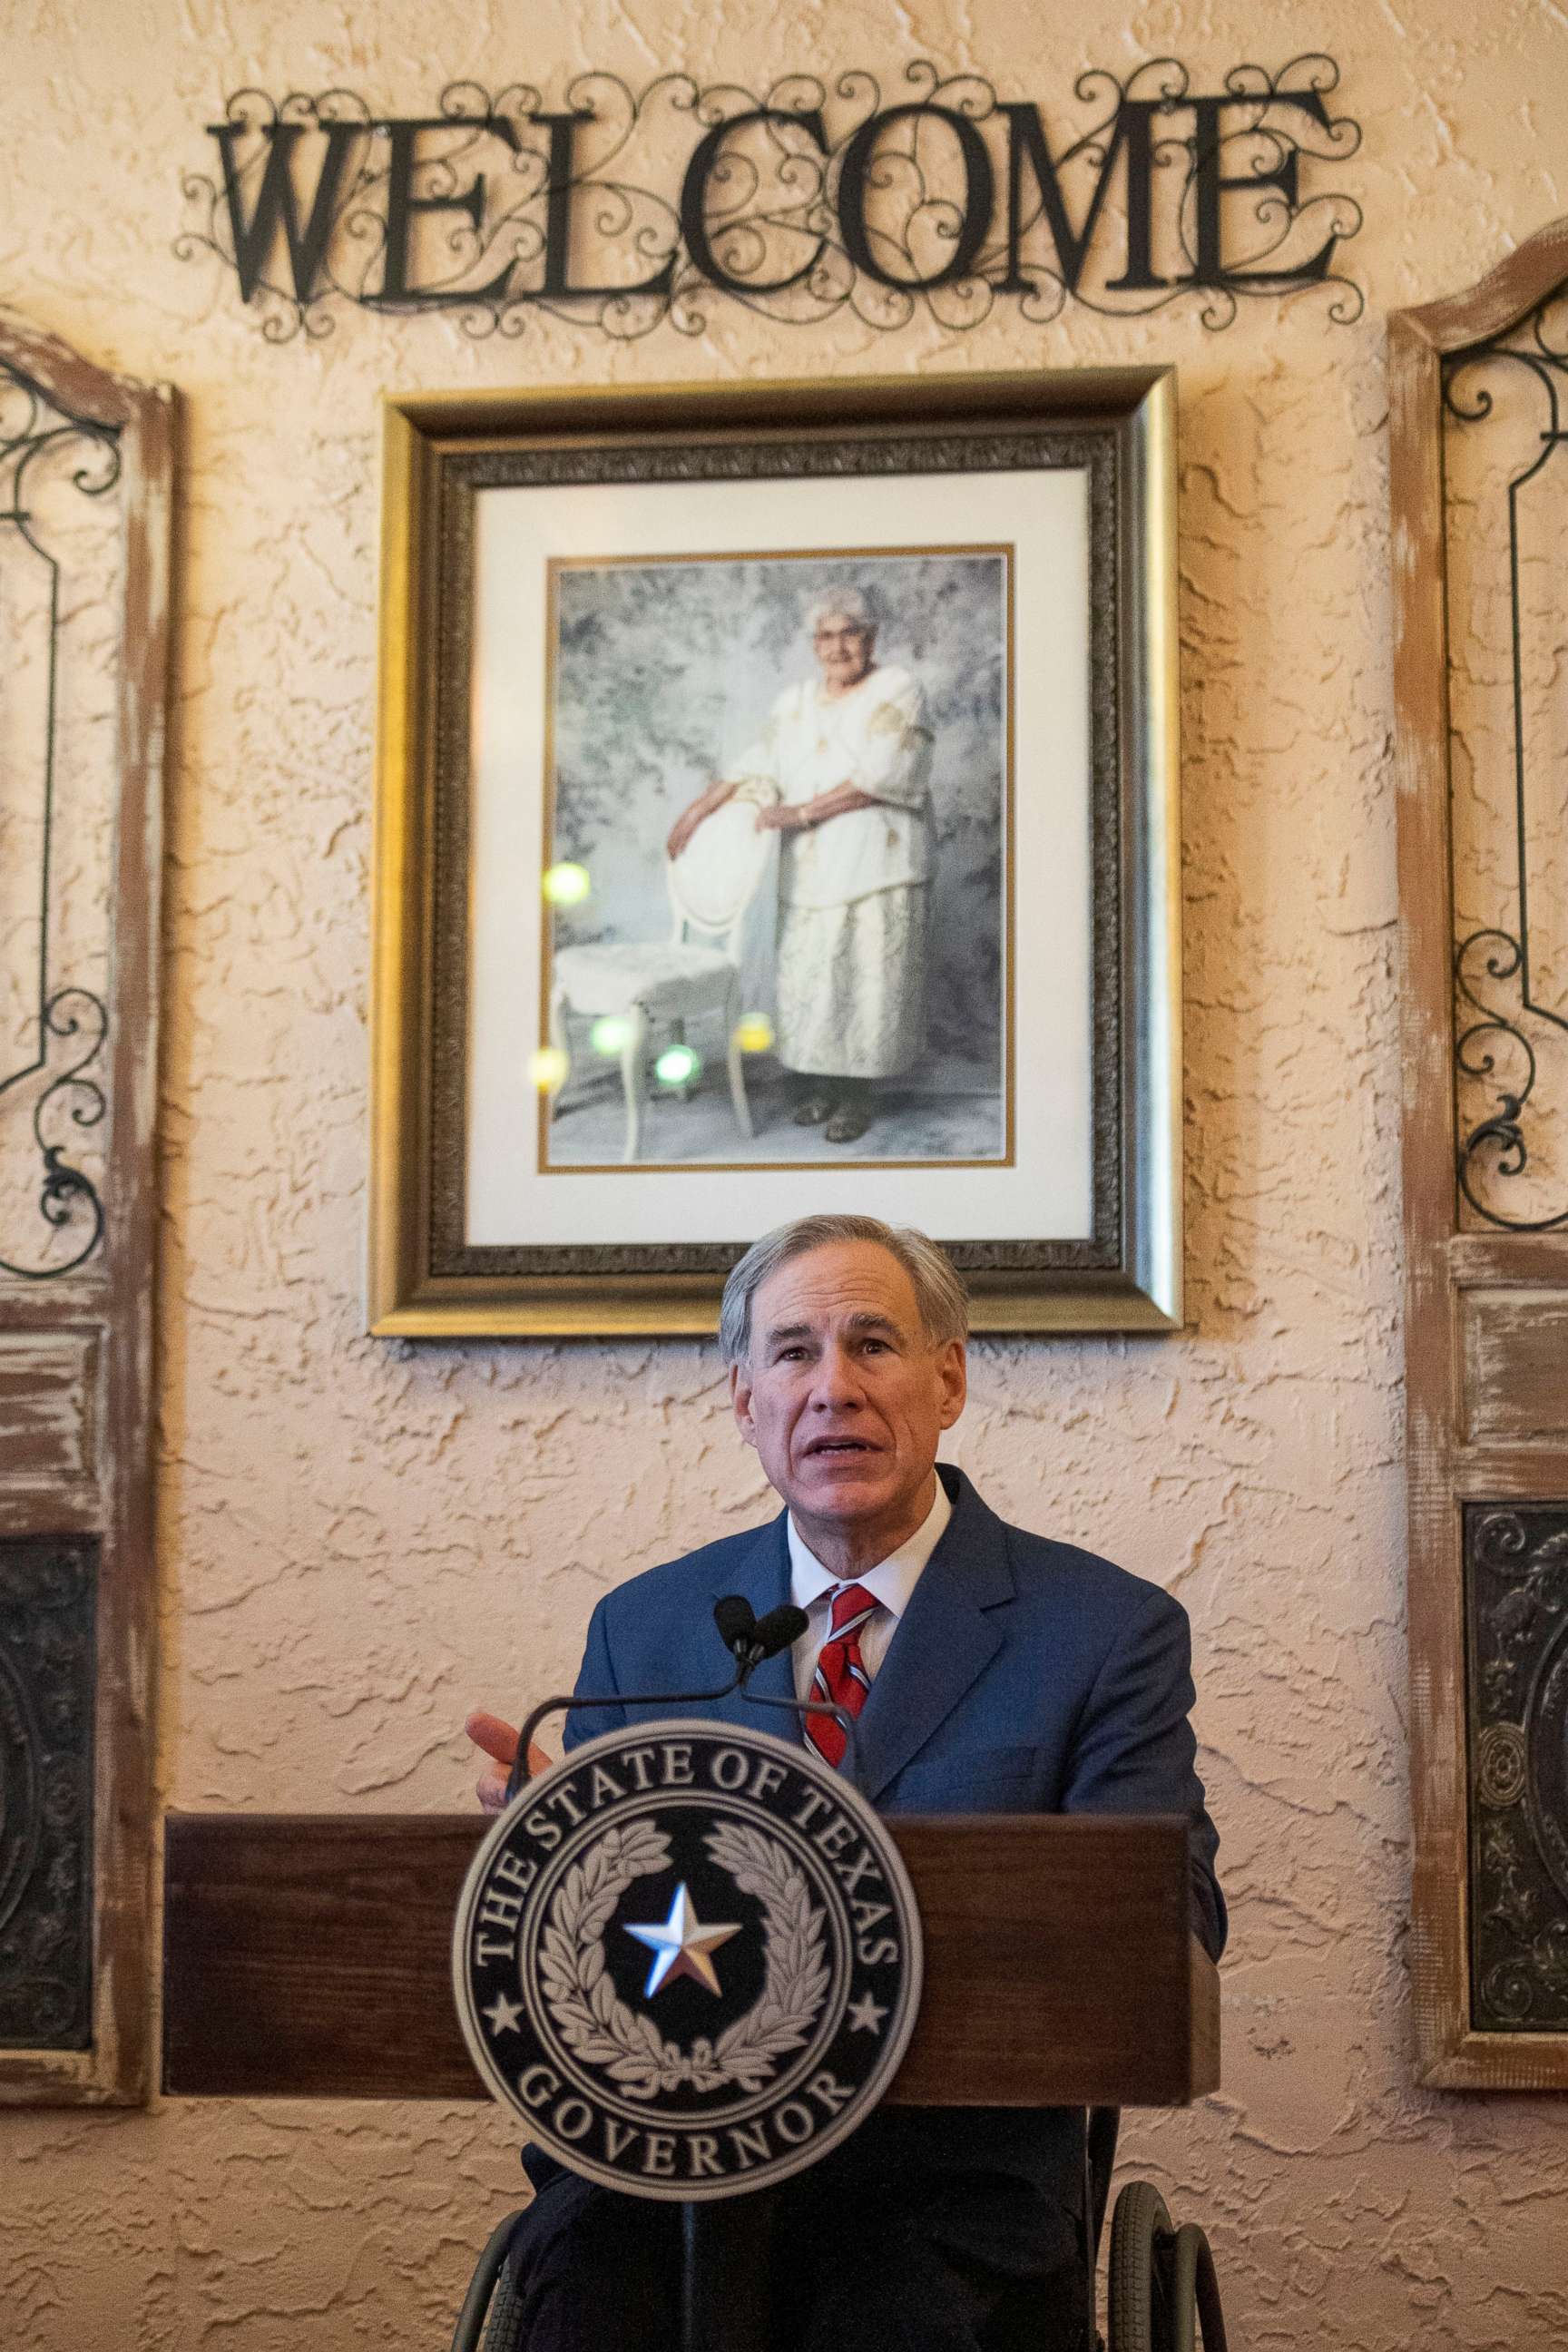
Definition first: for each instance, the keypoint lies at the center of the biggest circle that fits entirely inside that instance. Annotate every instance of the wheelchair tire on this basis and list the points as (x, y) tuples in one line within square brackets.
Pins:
[(1141, 2314), (490, 2320), (1196, 2289), (503, 2321)]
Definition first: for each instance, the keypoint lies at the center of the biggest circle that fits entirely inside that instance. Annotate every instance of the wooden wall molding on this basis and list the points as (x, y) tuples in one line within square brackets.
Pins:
[(76, 1597), (1485, 1342)]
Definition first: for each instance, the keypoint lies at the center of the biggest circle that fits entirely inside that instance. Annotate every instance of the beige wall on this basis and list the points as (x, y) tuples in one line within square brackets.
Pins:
[(359, 1539)]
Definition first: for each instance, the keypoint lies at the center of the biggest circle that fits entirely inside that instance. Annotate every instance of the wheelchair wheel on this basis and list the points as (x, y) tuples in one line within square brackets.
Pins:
[(1139, 2282), (490, 2319), (503, 2321), (1164, 2291)]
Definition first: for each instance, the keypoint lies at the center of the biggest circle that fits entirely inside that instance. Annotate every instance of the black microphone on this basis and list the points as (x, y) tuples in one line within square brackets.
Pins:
[(777, 1629), (737, 1623), (749, 1639)]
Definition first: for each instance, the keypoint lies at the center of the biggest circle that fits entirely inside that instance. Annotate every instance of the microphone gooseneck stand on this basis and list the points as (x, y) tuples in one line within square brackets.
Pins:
[(726, 2244), (572, 1705), (750, 1640)]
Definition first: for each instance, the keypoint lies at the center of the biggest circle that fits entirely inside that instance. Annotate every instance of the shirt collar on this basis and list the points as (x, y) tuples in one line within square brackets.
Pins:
[(892, 1580)]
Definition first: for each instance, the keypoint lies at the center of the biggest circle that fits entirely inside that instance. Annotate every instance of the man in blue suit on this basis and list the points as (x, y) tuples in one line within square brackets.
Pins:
[(997, 1671)]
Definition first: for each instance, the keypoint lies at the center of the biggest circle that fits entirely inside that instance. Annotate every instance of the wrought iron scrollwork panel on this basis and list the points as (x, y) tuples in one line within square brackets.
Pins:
[(807, 200), (1516, 1608), (1510, 1043), (48, 1601), (54, 1091)]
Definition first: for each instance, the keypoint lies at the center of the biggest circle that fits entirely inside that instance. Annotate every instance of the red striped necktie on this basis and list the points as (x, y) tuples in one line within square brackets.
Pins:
[(840, 1679)]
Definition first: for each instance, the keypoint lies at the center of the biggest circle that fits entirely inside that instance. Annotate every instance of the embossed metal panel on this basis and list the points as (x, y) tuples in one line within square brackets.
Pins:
[(1516, 1580), (48, 1592)]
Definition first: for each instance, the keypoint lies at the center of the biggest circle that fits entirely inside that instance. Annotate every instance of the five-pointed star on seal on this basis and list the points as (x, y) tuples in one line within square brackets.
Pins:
[(866, 2016), (682, 1946), (504, 2015)]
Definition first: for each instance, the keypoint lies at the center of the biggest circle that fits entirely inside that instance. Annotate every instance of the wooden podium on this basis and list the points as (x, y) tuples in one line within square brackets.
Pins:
[(307, 1957)]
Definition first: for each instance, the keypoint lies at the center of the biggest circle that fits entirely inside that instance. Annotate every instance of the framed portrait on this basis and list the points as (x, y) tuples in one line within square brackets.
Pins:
[(777, 810)]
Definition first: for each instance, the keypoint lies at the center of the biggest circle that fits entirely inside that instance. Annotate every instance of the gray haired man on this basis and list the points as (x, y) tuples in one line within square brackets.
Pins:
[(1005, 1673)]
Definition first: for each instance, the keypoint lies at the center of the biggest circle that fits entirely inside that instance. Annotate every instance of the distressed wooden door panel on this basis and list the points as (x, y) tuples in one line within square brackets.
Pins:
[(85, 471), (1479, 477)]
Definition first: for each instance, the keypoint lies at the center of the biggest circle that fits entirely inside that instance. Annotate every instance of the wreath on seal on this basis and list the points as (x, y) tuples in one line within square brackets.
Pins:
[(599, 2028)]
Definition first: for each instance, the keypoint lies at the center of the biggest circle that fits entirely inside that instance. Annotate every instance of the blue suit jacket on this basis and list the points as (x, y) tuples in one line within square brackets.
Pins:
[(1025, 1676)]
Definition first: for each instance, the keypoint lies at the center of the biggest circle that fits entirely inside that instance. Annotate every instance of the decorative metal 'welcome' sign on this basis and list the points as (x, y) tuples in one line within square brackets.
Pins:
[(800, 202)]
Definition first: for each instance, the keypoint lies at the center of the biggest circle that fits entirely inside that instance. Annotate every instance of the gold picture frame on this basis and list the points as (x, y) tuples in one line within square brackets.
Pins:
[(484, 493)]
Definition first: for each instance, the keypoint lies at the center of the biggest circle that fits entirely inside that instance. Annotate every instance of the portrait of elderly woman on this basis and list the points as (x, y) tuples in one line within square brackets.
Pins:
[(847, 753), (836, 729)]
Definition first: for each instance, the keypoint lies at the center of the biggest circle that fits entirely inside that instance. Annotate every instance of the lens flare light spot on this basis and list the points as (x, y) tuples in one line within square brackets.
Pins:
[(608, 1036), (566, 885), (754, 1033), (547, 1069), (676, 1066)]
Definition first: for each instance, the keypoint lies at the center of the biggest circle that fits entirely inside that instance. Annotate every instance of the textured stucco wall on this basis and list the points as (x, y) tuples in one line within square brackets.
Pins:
[(352, 1533)]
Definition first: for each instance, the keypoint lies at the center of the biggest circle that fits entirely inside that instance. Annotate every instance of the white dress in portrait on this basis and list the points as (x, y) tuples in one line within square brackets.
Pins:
[(854, 892)]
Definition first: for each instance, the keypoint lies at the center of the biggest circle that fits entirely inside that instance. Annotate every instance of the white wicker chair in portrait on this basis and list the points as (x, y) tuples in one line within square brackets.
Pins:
[(675, 982)]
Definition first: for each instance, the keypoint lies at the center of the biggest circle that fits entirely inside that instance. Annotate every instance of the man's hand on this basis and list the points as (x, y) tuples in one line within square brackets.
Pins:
[(687, 823), (497, 1740)]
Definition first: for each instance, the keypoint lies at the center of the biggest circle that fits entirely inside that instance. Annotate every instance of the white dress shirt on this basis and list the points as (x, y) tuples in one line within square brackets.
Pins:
[(891, 1581)]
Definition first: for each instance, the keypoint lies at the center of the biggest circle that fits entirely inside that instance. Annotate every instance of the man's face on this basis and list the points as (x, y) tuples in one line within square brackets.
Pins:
[(842, 648), (843, 1395)]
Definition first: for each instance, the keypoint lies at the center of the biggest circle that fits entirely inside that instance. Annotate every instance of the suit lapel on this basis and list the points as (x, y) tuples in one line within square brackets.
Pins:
[(762, 1576), (944, 1639)]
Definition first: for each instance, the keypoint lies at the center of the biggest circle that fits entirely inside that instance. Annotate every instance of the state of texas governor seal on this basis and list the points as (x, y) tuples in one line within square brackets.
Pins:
[(689, 1955)]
